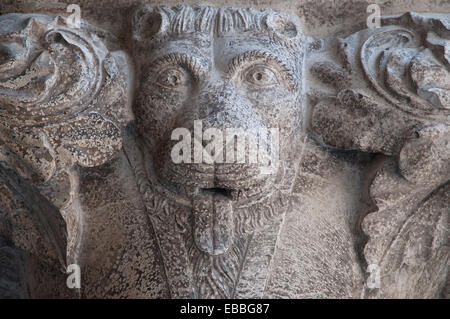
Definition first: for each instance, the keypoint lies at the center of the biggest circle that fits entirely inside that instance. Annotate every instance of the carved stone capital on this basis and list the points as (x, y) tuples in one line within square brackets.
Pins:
[(221, 152)]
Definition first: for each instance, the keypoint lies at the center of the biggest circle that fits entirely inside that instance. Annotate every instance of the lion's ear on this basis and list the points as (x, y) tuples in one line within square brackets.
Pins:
[(148, 22)]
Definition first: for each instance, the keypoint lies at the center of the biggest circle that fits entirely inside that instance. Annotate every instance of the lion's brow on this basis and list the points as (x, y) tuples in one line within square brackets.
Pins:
[(192, 62)]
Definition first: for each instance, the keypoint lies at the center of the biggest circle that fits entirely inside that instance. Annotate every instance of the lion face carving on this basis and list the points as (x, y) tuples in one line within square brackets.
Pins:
[(225, 70), (240, 70)]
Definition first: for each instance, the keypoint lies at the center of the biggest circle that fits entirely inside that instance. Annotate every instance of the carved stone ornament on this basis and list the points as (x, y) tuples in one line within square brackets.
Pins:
[(123, 157)]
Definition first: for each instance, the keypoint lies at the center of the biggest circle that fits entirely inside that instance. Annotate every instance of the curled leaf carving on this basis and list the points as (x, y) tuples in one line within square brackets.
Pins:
[(390, 86), (64, 98)]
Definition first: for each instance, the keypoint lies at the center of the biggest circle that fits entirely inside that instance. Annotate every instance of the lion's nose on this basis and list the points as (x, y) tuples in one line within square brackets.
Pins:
[(224, 107)]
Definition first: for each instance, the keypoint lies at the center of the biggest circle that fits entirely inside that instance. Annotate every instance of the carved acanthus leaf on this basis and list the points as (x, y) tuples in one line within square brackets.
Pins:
[(387, 91), (408, 235), (29, 220), (64, 98), (385, 83)]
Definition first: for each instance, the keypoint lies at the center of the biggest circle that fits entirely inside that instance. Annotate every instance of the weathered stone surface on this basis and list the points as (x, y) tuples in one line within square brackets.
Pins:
[(64, 98), (353, 187), (390, 85)]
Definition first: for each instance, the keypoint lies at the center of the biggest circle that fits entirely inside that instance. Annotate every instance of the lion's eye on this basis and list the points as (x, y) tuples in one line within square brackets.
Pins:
[(261, 76), (173, 78)]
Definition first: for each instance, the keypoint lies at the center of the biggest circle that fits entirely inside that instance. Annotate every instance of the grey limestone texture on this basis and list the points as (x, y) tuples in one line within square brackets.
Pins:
[(351, 200)]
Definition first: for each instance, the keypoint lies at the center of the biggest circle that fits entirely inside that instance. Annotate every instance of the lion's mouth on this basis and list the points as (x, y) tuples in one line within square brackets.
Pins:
[(239, 184), (228, 190), (231, 194), (214, 193), (228, 181), (231, 191)]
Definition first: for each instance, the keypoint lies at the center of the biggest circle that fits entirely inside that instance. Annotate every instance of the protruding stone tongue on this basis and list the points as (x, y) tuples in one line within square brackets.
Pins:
[(213, 222)]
